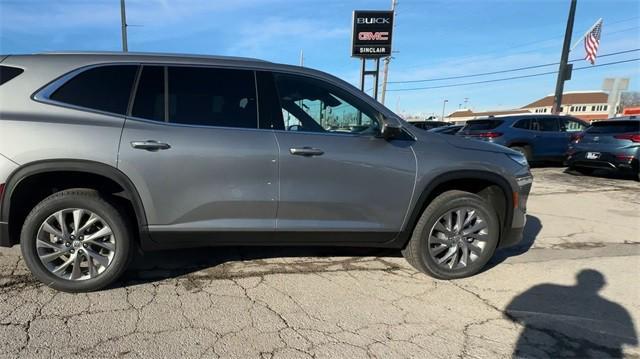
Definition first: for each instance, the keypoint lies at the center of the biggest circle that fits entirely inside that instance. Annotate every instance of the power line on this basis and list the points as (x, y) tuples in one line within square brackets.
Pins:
[(513, 77), (504, 71)]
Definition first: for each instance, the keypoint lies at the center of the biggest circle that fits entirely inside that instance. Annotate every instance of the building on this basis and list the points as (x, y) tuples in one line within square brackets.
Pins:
[(462, 115), (586, 105)]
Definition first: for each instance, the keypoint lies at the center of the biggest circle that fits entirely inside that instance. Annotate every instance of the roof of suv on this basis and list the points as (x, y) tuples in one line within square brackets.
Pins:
[(168, 56), (516, 117)]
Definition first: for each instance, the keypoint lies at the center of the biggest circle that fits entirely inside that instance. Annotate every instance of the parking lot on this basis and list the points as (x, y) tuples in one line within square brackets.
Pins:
[(570, 289)]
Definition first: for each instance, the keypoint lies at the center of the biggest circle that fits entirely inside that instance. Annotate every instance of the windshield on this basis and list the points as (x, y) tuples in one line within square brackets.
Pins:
[(614, 127), (481, 125)]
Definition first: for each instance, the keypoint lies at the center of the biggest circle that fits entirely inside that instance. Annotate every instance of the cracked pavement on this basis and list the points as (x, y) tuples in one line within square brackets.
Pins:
[(570, 289)]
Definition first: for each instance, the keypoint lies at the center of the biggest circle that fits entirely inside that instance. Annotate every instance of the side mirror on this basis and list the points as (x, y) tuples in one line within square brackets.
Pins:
[(391, 128)]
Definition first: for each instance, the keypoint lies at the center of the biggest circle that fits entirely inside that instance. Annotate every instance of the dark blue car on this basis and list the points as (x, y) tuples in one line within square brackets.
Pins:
[(612, 145), (538, 137)]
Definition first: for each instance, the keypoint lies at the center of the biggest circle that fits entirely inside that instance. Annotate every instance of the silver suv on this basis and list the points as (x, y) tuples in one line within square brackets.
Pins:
[(101, 153)]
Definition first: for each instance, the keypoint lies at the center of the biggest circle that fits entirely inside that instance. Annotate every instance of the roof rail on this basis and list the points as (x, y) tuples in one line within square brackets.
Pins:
[(120, 53)]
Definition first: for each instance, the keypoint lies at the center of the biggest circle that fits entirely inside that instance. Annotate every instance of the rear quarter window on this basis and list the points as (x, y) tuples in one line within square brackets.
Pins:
[(104, 88), (8, 73), (481, 125), (615, 127)]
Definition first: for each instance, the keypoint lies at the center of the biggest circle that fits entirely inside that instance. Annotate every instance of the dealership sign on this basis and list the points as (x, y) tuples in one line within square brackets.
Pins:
[(372, 32)]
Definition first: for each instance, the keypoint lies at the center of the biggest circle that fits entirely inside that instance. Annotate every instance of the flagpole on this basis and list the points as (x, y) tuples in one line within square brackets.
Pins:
[(585, 34)]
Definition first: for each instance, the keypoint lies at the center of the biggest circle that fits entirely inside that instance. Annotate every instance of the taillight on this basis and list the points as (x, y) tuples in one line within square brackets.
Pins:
[(576, 137), (624, 158), (489, 134), (1, 190), (629, 137)]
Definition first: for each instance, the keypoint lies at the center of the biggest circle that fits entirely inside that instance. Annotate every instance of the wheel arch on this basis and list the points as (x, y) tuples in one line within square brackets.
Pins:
[(484, 183), (85, 169)]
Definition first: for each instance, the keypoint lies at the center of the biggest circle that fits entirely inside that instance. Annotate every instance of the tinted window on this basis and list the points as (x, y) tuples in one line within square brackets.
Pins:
[(212, 97), (7, 73), (313, 106), (481, 125), (105, 88), (524, 124), (149, 102), (270, 115), (614, 127), (545, 124)]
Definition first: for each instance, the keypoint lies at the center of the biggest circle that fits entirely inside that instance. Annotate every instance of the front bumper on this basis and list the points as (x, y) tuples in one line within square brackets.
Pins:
[(513, 234), (4, 235)]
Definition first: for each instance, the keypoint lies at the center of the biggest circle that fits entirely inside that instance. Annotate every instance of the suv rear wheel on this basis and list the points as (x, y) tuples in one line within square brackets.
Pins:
[(455, 237), (76, 241)]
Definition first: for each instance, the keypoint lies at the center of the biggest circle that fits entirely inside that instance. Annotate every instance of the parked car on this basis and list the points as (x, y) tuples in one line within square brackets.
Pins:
[(429, 124), (447, 130), (612, 145), (101, 153), (538, 137)]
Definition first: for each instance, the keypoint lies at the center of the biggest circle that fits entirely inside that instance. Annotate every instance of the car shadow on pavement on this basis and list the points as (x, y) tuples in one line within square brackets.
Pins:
[(159, 265), (531, 231), (571, 321), (601, 174)]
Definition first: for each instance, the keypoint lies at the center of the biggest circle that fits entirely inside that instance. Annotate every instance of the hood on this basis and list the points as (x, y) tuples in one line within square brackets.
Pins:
[(478, 145)]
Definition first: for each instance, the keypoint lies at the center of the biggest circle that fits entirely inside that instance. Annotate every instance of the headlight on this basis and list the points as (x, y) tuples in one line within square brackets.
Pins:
[(520, 159)]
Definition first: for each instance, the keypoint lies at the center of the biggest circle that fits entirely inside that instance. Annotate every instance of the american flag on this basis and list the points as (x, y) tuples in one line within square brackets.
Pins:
[(592, 41)]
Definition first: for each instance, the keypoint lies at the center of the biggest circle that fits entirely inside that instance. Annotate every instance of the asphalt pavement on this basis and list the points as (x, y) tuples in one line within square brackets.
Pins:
[(569, 289)]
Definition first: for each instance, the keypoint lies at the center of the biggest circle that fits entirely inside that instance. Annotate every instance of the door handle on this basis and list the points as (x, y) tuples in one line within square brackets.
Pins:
[(150, 145), (306, 151)]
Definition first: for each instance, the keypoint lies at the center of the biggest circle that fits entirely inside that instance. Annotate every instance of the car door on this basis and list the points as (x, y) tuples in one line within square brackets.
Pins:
[(548, 142), (340, 182), (192, 148)]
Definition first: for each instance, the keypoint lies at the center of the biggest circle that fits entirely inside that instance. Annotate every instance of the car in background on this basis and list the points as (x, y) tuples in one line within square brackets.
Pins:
[(538, 137), (447, 130), (612, 145), (427, 125)]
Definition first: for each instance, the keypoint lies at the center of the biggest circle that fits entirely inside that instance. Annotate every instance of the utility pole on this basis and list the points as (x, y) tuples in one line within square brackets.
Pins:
[(385, 71), (564, 71), (123, 20), (301, 57), (444, 104)]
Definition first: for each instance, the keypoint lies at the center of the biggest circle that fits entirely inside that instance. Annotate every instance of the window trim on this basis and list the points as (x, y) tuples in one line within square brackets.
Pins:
[(43, 94)]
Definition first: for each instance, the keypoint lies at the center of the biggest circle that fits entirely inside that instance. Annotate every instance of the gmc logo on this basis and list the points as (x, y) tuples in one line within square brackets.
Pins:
[(376, 36), (372, 20)]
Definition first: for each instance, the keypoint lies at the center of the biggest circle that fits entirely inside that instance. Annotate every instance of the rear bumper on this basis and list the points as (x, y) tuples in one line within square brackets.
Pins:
[(4, 235), (606, 161)]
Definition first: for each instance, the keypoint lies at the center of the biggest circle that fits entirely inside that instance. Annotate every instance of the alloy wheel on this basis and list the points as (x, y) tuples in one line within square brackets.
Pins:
[(458, 238), (75, 244)]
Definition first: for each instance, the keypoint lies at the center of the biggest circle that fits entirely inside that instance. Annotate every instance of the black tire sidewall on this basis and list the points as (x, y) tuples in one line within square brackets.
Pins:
[(70, 199), (432, 214)]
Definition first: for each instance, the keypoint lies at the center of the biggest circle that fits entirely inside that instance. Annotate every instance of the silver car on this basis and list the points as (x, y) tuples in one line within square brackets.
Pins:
[(101, 153)]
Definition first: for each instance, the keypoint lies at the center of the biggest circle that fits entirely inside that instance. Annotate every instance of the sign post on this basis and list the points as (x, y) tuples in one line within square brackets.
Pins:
[(371, 39)]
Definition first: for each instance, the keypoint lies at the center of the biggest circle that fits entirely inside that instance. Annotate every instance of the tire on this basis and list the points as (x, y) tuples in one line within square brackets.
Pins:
[(419, 252), (110, 253), (525, 150)]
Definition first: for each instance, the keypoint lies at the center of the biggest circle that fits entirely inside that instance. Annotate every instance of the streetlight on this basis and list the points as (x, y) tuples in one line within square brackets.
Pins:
[(444, 104)]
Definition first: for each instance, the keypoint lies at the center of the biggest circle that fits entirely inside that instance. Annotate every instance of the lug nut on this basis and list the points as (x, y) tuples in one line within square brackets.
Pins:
[(72, 237), (72, 251), (85, 245), (81, 237), (67, 244)]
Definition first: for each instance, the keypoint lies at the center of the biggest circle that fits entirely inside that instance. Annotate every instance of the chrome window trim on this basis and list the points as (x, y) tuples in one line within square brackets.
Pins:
[(43, 95)]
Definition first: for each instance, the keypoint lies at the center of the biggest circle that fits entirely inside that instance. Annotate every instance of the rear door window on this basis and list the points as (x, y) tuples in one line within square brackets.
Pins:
[(614, 127), (524, 124), (8, 73), (546, 124), (150, 94), (568, 125), (481, 125), (212, 97), (104, 88)]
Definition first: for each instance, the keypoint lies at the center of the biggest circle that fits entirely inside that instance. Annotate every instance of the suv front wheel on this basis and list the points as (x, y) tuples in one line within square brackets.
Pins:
[(455, 237), (76, 241)]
